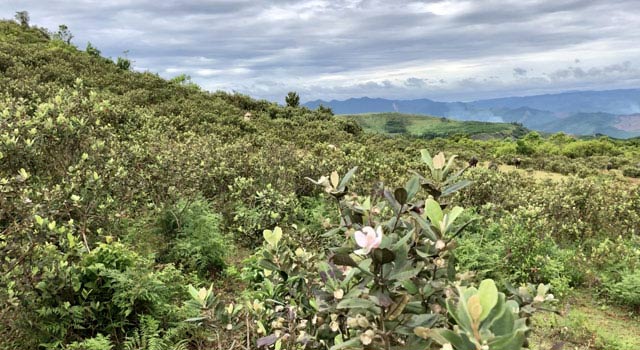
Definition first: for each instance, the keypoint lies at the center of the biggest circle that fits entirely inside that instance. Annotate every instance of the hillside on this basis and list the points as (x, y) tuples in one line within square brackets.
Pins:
[(144, 213), (599, 112), (431, 127)]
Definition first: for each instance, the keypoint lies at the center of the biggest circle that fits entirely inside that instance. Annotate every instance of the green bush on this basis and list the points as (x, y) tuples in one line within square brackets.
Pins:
[(631, 172), (80, 295), (516, 249), (193, 237), (254, 212), (626, 291)]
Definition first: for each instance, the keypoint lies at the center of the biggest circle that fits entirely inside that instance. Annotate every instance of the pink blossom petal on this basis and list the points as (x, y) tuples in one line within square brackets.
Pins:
[(361, 239)]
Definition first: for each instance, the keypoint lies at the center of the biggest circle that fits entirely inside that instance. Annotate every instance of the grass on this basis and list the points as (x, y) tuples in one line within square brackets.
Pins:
[(432, 127), (586, 325)]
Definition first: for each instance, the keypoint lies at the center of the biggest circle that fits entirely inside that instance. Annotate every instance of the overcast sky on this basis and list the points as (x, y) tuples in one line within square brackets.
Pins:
[(444, 50)]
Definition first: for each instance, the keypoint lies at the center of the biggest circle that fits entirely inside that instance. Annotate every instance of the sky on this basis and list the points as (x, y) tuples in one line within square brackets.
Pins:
[(451, 50)]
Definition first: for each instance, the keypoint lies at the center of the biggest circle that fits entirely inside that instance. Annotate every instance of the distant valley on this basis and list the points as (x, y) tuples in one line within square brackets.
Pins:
[(615, 113)]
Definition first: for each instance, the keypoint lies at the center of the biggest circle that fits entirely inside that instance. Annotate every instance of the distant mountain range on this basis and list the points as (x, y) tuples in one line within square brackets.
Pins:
[(614, 112)]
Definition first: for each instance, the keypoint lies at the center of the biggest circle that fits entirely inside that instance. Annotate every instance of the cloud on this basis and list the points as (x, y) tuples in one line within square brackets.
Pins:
[(519, 72), (343, 48)]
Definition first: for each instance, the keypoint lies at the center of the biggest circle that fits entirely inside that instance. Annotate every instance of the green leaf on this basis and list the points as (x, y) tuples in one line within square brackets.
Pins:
[(353, 343), (410, 286), (268, 265), (39, 220), (433, 211), (405, 274), (356, 304), (488, 293), (508, 342), (443, 336), (400, 194), (455, 187), (383, 256), (501, 319), (426, 227), (273, 237), (449, 164), (453, 214), (347, 177), (392, 201), (344, 260), (412, 187), (426, 158)]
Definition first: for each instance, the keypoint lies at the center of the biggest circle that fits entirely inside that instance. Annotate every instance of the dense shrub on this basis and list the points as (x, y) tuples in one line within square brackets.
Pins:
[(631, 172), (265, 208), (626, 291), (517, 249), (79, 294), (193, 239)]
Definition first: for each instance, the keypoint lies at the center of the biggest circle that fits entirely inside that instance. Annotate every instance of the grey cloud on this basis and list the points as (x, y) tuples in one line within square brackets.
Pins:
[(519, 72), (614, 70), (331, 48)]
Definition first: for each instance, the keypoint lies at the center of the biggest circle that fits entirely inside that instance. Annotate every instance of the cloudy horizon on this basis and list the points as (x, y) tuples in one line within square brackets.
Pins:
[(443, 50)]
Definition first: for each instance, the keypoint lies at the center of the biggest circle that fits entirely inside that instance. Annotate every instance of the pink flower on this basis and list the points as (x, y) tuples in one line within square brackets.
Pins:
[(368, 239)]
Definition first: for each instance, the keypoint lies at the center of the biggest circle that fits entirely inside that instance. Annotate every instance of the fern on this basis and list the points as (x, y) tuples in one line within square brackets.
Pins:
[(147, 337)]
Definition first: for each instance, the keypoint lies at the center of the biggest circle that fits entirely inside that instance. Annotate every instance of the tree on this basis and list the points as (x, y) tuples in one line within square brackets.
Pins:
[(63, 34), (292, 99), (92, 50), (23, 18), (325, 110), (123, 63)]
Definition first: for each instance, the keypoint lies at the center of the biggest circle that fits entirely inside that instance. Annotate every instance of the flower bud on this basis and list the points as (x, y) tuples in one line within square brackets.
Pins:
[(366, 338), (362, 321)]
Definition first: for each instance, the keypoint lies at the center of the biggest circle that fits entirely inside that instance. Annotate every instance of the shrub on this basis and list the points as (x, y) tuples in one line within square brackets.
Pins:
[(80, 295), (626, 291), (631, 172), (254, 212), (517, 250), (194, 241)]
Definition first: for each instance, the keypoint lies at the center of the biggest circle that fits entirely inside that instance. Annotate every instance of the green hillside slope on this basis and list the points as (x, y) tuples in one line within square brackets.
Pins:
[(144, 213), (432, 127)]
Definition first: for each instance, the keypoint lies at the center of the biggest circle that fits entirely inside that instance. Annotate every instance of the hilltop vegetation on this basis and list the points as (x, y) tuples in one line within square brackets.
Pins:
[(432, 127), (144, 213), (613, 113)]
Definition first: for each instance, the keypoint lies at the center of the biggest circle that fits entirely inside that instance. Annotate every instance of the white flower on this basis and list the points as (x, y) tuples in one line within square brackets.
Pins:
[(368, 239)]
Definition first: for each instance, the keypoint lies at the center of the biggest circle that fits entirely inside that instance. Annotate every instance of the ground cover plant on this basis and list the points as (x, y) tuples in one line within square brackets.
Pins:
[(143, 213)]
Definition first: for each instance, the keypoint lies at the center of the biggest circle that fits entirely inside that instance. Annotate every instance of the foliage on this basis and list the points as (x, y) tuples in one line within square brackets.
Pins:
[(292, 99), (485, 319), (427, 127), (22, 17), (626, 291), (64, 34), (631, 172), (118, 189), (92, 50), (193, 239), (123, 63)]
